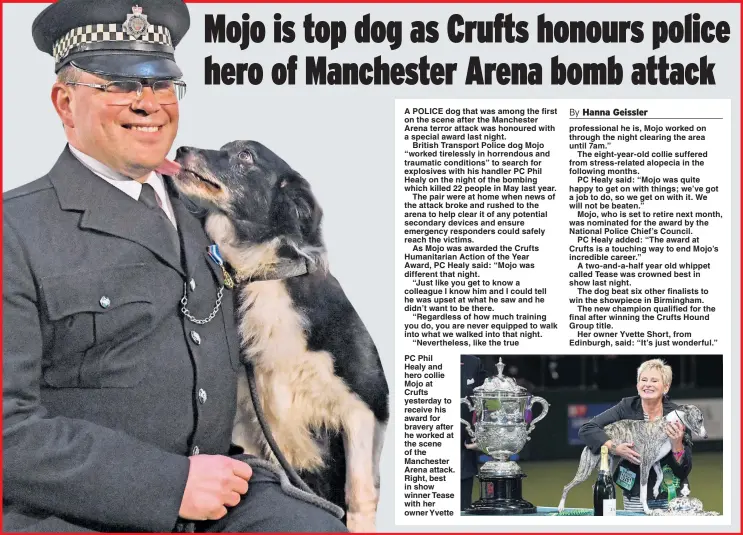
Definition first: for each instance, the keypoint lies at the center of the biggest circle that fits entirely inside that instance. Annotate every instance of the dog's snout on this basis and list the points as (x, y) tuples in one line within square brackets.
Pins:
[(187, 155)]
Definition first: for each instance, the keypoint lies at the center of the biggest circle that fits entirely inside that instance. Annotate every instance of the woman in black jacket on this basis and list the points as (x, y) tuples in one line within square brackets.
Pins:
[(652, 402)]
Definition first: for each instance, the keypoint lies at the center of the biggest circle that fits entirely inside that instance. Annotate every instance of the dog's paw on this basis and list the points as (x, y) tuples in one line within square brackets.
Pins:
[(656, 491), (361, 523), (561, 507)]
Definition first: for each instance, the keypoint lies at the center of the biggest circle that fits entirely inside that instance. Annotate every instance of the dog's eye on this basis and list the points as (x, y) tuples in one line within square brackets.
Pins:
[(245, 156)]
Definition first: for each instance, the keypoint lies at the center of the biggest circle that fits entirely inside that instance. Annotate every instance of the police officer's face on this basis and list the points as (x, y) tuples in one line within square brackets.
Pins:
[(131, 139)]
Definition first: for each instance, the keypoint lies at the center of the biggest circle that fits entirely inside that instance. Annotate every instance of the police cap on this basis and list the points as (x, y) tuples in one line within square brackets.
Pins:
[(114, 38)]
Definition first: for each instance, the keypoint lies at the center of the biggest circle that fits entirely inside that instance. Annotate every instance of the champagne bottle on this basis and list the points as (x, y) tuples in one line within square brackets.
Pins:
[(604, 493)]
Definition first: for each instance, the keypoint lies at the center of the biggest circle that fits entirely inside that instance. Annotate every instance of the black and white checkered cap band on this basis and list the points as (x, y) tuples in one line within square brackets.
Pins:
[(107, 32)]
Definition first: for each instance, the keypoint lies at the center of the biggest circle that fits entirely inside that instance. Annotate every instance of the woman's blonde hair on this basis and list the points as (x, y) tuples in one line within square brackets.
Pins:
[(666, 373)]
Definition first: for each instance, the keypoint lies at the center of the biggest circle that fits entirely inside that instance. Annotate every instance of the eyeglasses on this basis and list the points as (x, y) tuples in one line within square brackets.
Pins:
[(124, 92)]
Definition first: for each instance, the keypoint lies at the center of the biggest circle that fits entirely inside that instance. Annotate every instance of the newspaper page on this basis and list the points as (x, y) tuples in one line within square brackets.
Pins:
[(461, 247)]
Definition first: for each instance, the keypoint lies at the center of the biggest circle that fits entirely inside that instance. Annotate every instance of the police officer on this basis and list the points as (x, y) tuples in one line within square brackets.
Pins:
[(120, 353)]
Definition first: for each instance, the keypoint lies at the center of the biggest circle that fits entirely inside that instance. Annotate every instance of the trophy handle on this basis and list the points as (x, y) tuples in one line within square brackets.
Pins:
[(468, 427), (467, 402), (545, 409)]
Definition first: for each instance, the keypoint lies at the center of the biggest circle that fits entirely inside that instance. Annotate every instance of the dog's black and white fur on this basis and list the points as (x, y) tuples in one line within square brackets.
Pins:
[(318, 374), (650, 441)]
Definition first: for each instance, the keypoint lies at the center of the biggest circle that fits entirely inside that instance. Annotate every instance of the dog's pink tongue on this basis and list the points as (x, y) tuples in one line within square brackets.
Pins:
[(169, 167)]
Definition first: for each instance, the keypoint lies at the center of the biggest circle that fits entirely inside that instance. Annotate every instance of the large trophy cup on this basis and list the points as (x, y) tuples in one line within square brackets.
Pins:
[(503, 411)]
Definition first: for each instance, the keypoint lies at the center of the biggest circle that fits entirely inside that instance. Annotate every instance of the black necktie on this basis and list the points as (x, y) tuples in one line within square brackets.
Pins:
[(148, 197)]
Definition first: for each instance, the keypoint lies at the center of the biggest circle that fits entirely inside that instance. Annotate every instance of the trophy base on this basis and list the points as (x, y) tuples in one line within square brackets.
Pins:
[(501, 495)]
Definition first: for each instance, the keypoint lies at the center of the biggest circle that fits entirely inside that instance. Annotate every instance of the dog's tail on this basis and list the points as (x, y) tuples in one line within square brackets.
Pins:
[(588, 462)]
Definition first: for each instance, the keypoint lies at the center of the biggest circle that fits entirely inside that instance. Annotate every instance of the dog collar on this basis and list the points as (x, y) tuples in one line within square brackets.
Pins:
[(285, 269)]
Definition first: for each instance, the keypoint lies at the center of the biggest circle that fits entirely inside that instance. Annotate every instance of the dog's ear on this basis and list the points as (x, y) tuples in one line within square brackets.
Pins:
[(297, 207)]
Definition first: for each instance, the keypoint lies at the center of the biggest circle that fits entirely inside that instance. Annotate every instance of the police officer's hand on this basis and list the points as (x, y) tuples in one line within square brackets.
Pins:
[(214, 483)]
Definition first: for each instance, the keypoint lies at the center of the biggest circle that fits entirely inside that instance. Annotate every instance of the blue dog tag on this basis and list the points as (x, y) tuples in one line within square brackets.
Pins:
[(626, 478)]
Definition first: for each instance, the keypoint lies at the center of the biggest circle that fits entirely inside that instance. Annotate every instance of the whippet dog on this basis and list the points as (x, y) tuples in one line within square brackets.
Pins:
[(650, 441)]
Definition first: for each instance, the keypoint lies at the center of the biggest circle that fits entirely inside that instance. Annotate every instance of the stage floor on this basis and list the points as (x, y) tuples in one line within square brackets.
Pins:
[(552, 511)]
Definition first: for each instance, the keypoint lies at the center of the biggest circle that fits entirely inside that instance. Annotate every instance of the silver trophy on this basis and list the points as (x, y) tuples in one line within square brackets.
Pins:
[(502, 426), (684, 505)]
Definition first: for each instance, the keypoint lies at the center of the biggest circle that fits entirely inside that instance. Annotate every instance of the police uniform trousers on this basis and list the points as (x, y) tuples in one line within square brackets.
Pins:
[(266, 508)]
